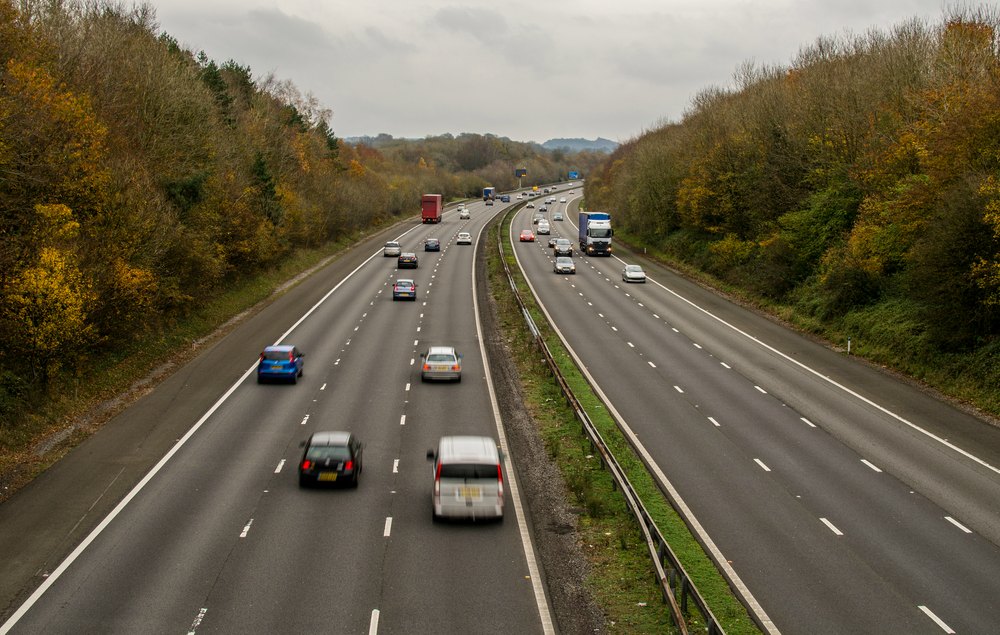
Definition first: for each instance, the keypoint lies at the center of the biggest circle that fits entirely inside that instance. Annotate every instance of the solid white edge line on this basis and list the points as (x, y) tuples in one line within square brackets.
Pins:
[(80, 548), (696, 527), (937, 620), (832, 527), (832, 382), (958, 524), (541, 601)]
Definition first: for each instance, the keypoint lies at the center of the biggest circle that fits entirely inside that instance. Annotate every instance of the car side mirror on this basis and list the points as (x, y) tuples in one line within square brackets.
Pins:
[(302, 444), (430, 455), (423, 355)]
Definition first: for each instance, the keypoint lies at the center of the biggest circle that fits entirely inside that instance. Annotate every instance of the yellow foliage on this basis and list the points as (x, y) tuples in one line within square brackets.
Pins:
[(356, 170), (47, 306), (136, 285), (55, 223)]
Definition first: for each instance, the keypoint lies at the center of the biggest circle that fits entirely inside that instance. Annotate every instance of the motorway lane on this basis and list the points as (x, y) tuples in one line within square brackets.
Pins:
[(898, 550), (223, 540)]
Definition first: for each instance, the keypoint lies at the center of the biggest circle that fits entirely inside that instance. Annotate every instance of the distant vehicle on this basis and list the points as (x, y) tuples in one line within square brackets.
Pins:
[(562, 200), (464, 214), (527, 236), (563, 247), (595, 233), (463, 238), (557, 216), (543, 208), (633, 273), (404, 289), (519, 196), (571, 191), (331, 458), (432, 244), (440, 362), (564, 264), (530, 206), (391, 249), (430, 208), (537, 218), (407, 260), (552, 241), (505, 198), (546, 190), (543, 227), (280, 362), (489, 193), (468, 479)]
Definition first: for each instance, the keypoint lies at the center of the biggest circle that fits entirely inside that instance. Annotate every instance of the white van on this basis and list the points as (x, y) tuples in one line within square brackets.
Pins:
[(468, 479)]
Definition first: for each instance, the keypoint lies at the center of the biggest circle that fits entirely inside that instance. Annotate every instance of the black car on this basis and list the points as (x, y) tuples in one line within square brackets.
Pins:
[(407, 260), (432, 244), (330, 458)]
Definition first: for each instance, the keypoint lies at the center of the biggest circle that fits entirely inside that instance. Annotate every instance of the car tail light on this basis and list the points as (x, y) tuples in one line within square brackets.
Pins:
[(348, 466), (499, 485), (306, 464), (261, 357), (291, 356), (456, 368), (427, 366), (437, 483)]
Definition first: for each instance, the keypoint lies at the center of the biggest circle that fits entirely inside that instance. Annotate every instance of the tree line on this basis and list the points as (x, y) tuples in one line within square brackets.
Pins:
[(138, 178), (859, 185)]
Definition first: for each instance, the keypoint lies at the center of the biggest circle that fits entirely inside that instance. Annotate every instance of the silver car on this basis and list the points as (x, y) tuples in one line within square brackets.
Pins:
[(543, 227), (391, 249), (557, 216), (564, 264), (464, 213), (633, 273), (441, 362), (463, 238), (468, 479)]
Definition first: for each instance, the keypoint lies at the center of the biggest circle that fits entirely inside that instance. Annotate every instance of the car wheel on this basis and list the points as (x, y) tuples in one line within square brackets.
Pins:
[(295, 379), (303, 481), (458, 379), (354, 483), (260, 380)]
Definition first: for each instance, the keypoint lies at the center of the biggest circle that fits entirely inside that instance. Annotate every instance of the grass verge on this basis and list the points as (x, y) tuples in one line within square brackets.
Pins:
[(621, 577)]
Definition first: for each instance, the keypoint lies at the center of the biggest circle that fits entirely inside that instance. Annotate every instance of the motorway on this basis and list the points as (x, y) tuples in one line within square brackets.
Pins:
[(839, 499), (219, 538)]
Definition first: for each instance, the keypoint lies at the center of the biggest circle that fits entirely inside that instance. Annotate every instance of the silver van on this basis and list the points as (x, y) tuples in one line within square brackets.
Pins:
[(468, 479)]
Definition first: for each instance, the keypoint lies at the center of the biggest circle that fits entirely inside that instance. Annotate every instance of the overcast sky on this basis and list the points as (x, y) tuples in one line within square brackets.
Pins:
[(530, 70)]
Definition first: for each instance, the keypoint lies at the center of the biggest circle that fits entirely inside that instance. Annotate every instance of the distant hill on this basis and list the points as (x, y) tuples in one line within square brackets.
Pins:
[(599, 144)]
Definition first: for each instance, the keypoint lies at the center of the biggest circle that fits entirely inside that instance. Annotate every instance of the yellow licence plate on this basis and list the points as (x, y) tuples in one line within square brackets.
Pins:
[(469, 492), (327, 476)]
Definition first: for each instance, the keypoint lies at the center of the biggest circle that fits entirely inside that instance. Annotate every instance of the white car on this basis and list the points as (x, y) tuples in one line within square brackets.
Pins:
[(464, 213), (562, 200), (391, 249), (463, 238), (633, 273), (530, 206), (543, 227), (557, 216)]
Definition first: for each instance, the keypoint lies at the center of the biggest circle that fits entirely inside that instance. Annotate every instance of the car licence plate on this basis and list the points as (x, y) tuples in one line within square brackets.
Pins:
[(276, 367), (469, 492), (327, 476)]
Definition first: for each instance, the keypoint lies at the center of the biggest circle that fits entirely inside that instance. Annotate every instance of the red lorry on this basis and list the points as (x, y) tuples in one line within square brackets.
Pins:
[(430, 208)]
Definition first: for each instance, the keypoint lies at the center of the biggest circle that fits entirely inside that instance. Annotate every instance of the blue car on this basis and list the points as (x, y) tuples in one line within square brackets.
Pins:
[(280, 362)]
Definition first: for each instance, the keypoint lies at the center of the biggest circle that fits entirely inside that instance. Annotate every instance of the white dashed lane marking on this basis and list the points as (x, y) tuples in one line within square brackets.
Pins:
[(832, 527)]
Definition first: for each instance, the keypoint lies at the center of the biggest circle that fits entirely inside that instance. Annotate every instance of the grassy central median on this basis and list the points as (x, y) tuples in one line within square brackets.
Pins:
[(621, 577)]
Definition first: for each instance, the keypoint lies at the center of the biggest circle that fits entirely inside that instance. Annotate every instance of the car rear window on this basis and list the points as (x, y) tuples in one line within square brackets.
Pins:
[(468, 470), (404, 285), (275, 356), (323, 452), (440, 357)]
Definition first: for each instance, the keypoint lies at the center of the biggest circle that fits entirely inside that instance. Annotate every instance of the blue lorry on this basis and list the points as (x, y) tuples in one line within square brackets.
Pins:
[(595, 233)]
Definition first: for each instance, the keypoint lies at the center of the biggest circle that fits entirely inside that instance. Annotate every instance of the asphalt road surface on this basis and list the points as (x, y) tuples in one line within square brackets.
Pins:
[(839, 499)]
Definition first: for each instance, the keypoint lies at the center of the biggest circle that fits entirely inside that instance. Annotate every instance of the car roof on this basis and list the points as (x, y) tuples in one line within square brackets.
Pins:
[(438, 350), (284, 348), (329, 438), (406, 253), (392, 243), (459, 449), (404, 280), (562, 240), (563, 259)]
